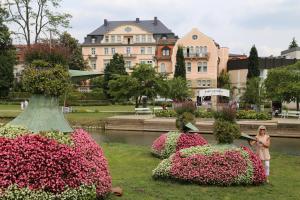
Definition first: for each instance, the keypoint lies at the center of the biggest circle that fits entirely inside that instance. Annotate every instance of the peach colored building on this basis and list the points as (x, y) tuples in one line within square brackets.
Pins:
[(204, 60), (135, 40)]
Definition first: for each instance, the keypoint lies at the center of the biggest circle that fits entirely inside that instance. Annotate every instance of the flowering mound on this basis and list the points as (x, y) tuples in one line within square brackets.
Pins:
[(33, 166), (217, 165), (169, 143)]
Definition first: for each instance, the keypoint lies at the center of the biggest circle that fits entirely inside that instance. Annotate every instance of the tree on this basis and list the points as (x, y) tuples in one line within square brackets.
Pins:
[(180, 70), (178, 89), (293, 43), (253, 70), (115, 68), (283, 84), (36, 17), (7, 56), (255, 92), (76, 60), (224, 80)]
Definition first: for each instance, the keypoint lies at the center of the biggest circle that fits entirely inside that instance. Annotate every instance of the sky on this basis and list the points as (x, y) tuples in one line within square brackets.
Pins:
[(236, 24)]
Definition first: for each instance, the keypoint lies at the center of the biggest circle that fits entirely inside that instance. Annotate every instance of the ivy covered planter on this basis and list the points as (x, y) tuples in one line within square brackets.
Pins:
[(170, 142), (51, 165), (213, 165)]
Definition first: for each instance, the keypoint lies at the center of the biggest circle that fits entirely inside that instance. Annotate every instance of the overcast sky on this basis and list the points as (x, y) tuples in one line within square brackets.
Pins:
[(237, 24)]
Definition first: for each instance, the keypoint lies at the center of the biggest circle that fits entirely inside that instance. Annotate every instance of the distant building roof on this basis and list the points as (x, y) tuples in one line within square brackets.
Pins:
[(263, 63), (290, 50), (154, 26)]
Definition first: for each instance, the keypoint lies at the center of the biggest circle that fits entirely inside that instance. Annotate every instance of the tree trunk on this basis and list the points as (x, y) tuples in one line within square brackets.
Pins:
[(297, 103), (136, 102)]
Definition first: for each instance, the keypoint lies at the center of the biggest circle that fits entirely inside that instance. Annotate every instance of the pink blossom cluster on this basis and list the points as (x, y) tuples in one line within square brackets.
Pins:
[(221, 169), (259, 174), (187, 140), (159, 143), (39, 163)]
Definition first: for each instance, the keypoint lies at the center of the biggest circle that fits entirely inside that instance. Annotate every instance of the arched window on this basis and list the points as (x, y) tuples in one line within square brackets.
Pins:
[(166, 51)]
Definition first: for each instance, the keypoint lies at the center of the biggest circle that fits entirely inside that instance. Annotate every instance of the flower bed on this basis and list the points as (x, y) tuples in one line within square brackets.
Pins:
[(169, 143), (217, 165), (37, 166)]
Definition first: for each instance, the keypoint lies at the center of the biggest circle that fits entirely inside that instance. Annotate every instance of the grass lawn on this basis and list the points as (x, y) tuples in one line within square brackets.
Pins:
[(131, 168)]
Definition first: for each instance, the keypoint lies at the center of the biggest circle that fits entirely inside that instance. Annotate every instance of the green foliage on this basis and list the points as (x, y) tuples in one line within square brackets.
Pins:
[(170, 145), (177, 89), (255, 92), (283, 84), (13, 131), (97, 82), (115, 68), (203, 114), (123, 88), (293, 43), (60, 137), (7, 56), (76, 60), (180, 70), (183, 119), (225, 131), (224, 80), (166, 113), (253, 70), (82, 192), (252, 114), (42, 78)]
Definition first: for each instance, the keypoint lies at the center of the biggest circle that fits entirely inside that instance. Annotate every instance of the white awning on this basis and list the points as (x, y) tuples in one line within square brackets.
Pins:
[(214, 92)]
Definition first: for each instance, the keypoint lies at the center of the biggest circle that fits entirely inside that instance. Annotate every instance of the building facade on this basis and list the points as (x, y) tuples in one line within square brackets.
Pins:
[(135, 40), (204, 60), (293, 53)]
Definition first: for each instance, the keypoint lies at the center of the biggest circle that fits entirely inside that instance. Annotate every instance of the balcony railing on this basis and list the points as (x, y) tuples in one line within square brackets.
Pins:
[(129, 55), (196, 55), (162, 57), (92, 56)]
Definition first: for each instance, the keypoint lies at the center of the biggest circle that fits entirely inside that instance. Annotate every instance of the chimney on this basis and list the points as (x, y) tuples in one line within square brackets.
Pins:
[(155, 20), (105, 22), (137, 20)]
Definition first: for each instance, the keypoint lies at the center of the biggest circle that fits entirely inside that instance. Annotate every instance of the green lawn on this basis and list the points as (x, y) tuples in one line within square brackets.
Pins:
[(131, 168)]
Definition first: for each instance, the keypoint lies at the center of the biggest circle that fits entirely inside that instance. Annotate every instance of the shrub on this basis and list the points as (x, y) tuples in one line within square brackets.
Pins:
[(35, 166), (216, 165), (171, 142), (252, 114), (43, 78), (183, 119), (185, 106), (225, 131), (166, 113), (226, 114), (203, 114)]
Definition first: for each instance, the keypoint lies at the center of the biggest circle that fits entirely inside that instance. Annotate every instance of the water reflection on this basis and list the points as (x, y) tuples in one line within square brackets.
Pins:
[(289, 146)]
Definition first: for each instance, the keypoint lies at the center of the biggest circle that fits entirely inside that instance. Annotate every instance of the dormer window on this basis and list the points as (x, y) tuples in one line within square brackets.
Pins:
[(93, 40)]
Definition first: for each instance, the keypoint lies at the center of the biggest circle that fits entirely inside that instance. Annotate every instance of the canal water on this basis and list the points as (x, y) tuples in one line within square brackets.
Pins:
[(289, 146)]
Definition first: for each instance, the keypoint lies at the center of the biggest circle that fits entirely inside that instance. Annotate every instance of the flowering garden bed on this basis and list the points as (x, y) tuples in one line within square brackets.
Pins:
[(51, 165), (216, 165), (170, 142)]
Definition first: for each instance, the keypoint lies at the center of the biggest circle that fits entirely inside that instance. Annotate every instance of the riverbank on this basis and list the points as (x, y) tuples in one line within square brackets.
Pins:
[(137, 183)]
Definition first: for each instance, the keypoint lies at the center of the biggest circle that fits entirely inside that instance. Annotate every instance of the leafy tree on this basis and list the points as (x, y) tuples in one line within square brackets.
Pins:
[(178, 89), (253, 70), (293, 43), (180, 70), (76, 60), (283, 84), (7, 56), (123, 88), (224, 80), (115, 68), (255, 92), (35, 17), (97, 82)]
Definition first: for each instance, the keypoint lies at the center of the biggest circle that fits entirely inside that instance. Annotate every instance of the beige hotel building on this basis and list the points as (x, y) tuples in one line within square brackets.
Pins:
[(151, 42)]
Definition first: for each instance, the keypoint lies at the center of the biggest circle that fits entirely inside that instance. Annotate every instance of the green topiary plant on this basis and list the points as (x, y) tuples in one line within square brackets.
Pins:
[(46, 79), (184, 119), (225, 127)]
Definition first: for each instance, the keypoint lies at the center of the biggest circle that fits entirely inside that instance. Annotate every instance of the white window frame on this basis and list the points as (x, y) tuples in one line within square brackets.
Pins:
[(113, 51), (166, 52), (188, 67), (143, 51), (143, 38), (163, 68), (93, 51), (137, 38), (119, 38), (149, 38), (113, 38), (106, 51), (107, 39), (128, 64), (128, 50), (149, 50), (93, 64)]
